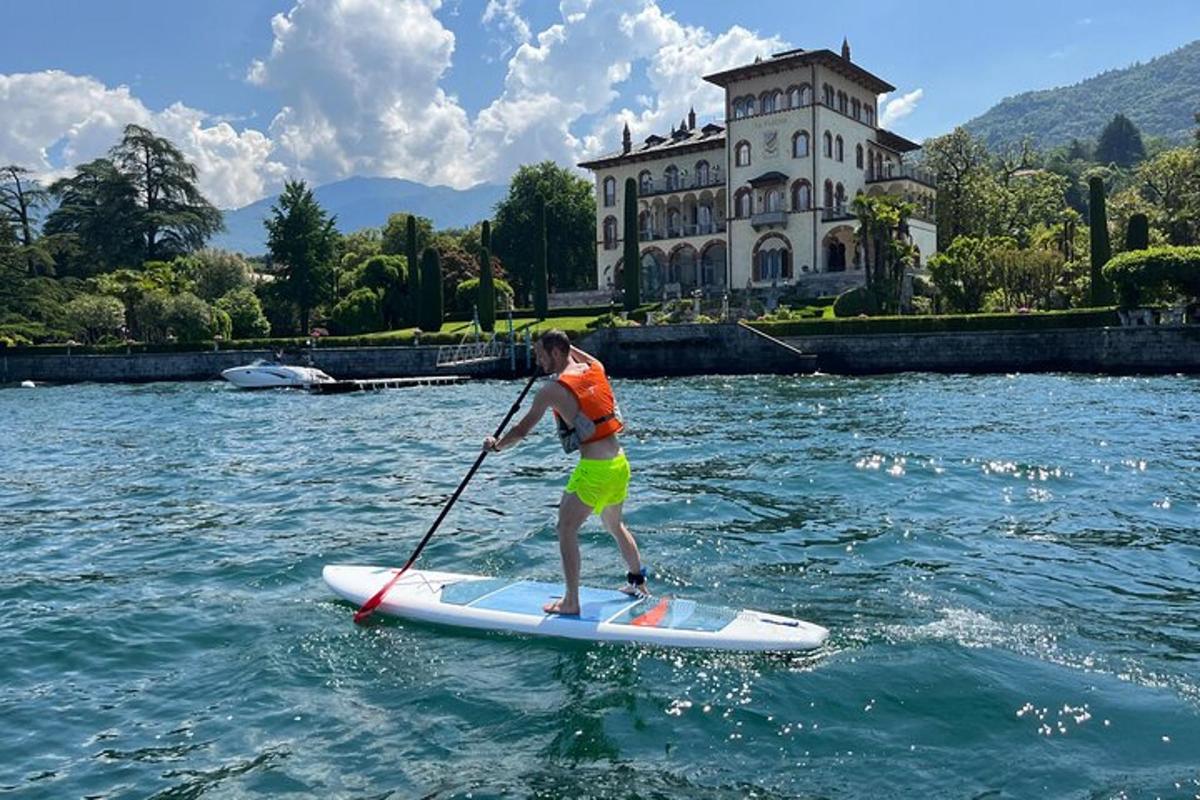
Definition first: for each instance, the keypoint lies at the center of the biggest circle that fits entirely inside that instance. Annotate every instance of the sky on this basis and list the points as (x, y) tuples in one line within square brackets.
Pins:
[(459, 92)]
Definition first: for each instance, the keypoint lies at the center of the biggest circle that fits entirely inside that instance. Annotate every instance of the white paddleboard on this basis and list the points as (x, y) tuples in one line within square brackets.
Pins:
[(498, 604)]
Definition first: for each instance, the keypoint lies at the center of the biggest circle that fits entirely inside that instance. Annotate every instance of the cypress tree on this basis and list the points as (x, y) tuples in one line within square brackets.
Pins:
[(413, 312), (630, 277), (431, 283), (1101, 294), (1137, 236), (487, 286), (1120, 143), (541, 297)]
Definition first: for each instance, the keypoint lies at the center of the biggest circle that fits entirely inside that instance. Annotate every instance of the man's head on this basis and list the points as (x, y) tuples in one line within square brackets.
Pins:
[(553, 350)]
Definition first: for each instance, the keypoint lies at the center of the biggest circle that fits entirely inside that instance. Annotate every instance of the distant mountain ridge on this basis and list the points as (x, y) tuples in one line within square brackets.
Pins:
[(367, 202), (1160, 97)]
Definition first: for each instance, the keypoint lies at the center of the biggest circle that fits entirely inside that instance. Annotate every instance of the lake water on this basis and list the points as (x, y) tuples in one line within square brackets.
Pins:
[(1010, 568)]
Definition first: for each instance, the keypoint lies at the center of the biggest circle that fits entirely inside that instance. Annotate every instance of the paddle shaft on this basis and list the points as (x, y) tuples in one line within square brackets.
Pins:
[(369, 606)]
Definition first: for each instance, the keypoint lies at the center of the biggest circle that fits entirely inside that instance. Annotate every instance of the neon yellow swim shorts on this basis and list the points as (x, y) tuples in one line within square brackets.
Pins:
[(600, 482)]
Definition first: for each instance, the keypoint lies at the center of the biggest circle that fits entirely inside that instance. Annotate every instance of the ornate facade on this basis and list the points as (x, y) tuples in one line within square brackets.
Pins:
[(766, 198)]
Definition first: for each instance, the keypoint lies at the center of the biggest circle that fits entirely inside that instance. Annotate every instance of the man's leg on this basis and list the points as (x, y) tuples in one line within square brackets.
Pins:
[(611, 516), (572, 513)]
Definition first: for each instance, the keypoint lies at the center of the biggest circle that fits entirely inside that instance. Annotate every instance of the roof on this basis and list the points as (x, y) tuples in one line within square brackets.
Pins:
[(894, 141), (684, 140), (790, 59), (768, 178)]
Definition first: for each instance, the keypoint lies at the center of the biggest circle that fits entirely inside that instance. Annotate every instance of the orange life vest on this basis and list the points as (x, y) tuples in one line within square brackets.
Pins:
[(594, 394)]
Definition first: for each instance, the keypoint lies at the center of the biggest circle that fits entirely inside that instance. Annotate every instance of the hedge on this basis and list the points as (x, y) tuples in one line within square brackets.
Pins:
[(1139, 272), (1034, 321), (565, 311)]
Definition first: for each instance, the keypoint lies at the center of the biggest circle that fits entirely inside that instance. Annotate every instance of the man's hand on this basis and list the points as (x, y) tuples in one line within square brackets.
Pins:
[(490, 445)]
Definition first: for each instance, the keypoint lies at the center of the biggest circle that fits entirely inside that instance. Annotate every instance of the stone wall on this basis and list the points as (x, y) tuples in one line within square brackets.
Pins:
[(1148, 350), (726, 349)]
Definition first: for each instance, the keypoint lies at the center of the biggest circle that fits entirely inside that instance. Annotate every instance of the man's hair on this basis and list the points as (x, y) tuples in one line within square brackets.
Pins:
[(555, 339)]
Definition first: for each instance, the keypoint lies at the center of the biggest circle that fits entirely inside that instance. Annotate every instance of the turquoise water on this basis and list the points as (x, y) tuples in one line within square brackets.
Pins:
[(1008, 566)]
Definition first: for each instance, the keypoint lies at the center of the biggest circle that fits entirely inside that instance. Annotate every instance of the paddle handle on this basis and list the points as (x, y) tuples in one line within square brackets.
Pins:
[(370, 606)]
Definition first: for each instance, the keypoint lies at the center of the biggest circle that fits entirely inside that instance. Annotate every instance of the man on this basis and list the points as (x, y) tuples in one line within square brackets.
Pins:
[(582, 400)]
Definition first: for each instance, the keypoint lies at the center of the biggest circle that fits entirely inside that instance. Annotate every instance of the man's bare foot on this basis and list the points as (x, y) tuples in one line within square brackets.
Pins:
[(561, 608)]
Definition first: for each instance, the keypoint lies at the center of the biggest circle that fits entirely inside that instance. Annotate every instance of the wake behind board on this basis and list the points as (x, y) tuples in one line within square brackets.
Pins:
[(498, 604)]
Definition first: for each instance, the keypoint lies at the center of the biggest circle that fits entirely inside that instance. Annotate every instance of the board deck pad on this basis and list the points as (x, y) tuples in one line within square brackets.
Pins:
[(500, 604)]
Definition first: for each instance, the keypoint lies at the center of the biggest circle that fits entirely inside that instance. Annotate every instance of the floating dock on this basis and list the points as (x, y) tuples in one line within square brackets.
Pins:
[(376, 384)]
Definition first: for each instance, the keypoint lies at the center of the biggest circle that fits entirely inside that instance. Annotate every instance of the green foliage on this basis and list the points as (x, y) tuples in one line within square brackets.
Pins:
[(1158, 96), (854, 302), (1137, 235), (467, 294), (541, 299), (1140, 276), (190, 319), (395, 235), (387, 276), (1101, 293), (1166, 188), (301, 239), (632, 266), (353, 251), (215, 273), (245, 312), (882, 221), (1120, 143), (97, 220), (961, 272), (91, 316), (570, 211), (431, 310), (485, 292), (411, 240), (360, 312)]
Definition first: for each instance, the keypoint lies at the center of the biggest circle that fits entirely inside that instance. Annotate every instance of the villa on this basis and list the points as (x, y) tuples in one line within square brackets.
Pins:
[(765, 199)]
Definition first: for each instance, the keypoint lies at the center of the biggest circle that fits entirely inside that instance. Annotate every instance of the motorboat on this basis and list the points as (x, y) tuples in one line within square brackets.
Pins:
[(264, 374)]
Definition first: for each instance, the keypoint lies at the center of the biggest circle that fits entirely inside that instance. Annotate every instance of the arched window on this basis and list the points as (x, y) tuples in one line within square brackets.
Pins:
[(702, 176), (878, 164), (645, 227), (827, 92), (828, 145), (774, 200), (839, 150), (870, 115), (674, 223), (739, 108), (843, 102), (839, 197), (767, 102), (671, 176), (829, 194), (801, 196), (610, 191), (751, 106), (858, 156), (799, 95), (610, 233), (772, 265), (741, 154), (704, 218), (855, 108), (742, 206), (645, 182), (800, 144)]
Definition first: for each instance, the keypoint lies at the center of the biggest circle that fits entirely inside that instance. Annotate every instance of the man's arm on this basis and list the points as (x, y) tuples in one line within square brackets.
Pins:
[(542, 401)]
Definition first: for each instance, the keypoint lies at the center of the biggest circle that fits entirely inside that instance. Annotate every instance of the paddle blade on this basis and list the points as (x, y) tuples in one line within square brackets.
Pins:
[(369, 607)]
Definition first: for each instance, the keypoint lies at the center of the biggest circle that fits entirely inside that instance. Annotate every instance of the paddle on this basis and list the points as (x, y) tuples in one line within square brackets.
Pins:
[(369, 606)]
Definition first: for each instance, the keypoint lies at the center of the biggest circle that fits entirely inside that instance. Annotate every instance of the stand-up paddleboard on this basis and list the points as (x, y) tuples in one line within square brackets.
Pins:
[(476, 601)]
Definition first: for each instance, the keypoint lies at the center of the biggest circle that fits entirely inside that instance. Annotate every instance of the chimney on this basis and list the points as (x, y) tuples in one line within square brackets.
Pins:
[(626, 140), (692, 119), (845, 48)]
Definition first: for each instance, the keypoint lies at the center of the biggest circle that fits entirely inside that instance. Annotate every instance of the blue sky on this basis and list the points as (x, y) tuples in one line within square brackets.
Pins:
[(458, 91)]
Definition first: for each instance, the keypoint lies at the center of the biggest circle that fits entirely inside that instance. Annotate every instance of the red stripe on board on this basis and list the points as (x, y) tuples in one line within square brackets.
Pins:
[(654, 616)]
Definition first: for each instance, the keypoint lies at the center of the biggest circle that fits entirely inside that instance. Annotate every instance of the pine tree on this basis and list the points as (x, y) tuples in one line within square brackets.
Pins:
[(630, 275), (541, 297), (487, 286), (300, 240), (1101, 294), (1137, 236), (413, 312), (431, 281), (1120, 143)]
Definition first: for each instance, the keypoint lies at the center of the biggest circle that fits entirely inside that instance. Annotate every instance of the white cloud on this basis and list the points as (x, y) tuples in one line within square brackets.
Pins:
[(898, 109), (506, 17), (77, 118)]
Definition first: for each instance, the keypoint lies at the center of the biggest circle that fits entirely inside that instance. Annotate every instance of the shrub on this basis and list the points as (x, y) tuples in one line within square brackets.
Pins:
[(215, 273), (466, 294), (1041, 320), (191, 319), (246, 316), (856, 301), (360, 312), (91, 316), (1146, 275)]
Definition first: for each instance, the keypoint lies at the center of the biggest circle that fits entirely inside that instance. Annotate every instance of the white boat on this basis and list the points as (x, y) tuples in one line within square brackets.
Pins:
[(263, 374)]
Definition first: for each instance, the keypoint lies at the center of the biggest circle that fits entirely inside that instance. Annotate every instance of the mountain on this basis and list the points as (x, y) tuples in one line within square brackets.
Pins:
[(1160, 97), (367, 202)]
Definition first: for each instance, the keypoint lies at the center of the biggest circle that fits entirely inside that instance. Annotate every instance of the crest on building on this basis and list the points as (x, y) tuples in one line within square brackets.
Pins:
[(771, 143)]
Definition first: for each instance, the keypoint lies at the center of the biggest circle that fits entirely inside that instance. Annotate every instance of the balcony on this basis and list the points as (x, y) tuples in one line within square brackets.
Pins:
[(837, 214), (681, 231), (683, 184), (898, 172), (766, 219)]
